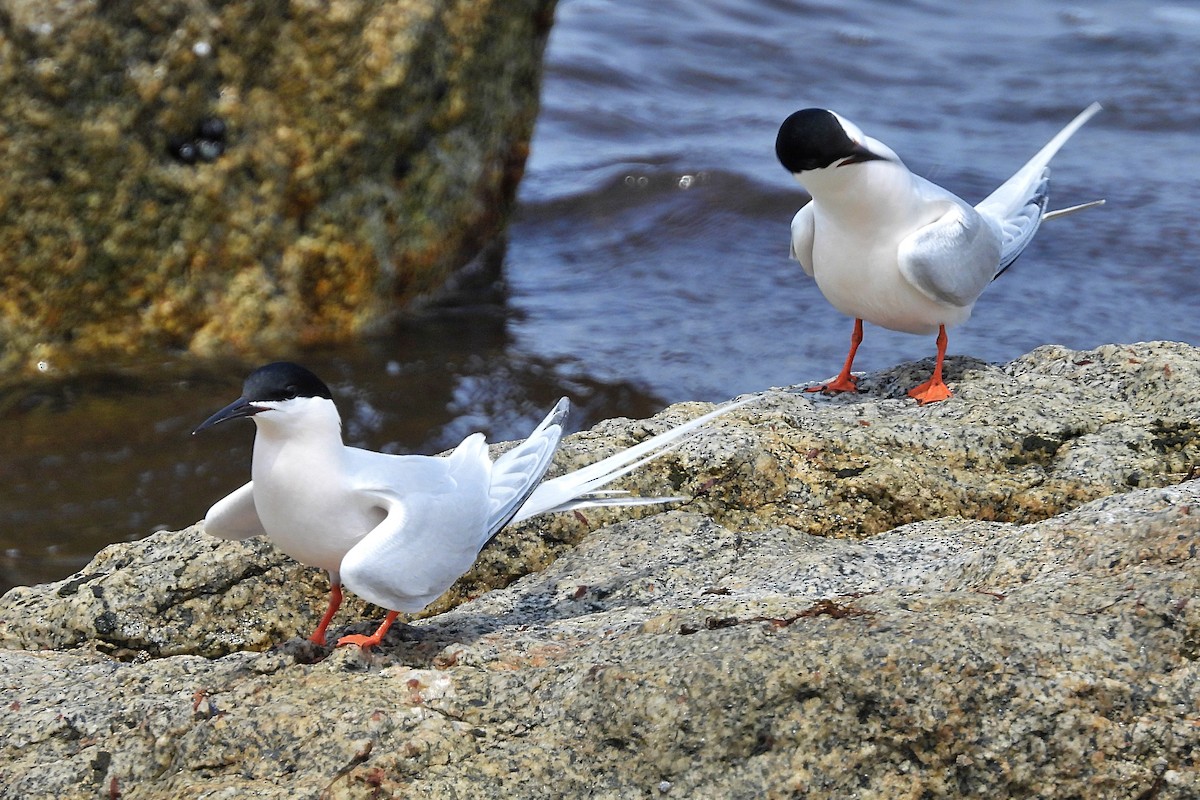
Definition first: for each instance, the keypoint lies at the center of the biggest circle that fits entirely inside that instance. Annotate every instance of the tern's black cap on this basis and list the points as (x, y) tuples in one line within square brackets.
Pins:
[(813, 138), (283, 380)]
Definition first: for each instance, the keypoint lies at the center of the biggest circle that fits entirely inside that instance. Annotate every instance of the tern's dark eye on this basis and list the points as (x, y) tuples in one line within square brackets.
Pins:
[(288, 392)]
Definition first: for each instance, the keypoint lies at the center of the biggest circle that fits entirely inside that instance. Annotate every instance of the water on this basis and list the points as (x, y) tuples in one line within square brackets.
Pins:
[(647, 262)]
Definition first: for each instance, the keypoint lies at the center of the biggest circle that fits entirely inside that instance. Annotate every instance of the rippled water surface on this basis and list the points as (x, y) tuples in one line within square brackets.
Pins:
[(648, 261)]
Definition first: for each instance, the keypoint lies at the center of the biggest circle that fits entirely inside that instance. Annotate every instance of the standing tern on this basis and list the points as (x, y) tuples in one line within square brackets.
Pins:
[(894, 249), (396, 530)]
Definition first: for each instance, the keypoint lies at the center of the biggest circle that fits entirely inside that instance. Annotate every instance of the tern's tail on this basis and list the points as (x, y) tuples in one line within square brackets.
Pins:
[(1019, 204), (584, 488)]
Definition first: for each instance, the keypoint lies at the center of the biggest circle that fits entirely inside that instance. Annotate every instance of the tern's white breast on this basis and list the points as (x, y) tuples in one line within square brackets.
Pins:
[(861, 278), (304, 500)]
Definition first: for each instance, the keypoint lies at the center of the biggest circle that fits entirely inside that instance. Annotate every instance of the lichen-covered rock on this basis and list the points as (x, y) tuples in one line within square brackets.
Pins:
[(171, 593), (722, 649), (241, 176)]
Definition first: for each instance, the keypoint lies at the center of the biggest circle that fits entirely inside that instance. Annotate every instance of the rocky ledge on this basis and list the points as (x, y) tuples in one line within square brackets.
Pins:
[(993, 596)]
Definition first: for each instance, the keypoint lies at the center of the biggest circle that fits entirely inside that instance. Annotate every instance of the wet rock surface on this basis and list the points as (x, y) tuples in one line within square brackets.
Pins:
[(242, 176), (960, 600)]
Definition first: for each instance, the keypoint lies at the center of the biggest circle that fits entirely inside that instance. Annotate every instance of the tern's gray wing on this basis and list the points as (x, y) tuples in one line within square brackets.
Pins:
[(234, 516), (952, 259), (517, 472), (1017, 229), (803, 225)]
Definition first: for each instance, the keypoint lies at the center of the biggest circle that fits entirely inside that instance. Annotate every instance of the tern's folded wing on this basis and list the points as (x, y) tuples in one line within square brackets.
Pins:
[(415, 554), (803, 225), (234, 516), (435, 513), (952, 259)]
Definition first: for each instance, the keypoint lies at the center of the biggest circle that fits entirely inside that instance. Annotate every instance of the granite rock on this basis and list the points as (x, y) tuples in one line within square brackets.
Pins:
[(936, 634), (236, 177)]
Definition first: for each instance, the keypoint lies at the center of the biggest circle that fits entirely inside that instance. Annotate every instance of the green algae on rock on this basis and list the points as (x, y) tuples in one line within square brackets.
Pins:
[(367, 151)]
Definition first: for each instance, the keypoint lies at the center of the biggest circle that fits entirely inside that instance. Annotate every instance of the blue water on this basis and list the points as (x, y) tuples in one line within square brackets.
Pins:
[(654, 192), (648, 259)]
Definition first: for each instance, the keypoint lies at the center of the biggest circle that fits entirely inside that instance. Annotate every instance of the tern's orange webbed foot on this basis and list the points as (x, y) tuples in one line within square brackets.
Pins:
[(364, 642), (935, 389), (367, 642), (842, 383), (931, 391)]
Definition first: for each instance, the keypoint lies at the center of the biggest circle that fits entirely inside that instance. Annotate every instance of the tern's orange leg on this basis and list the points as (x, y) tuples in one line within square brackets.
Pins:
[(335, 602), (844, 382), (367, 642), (935, 389)]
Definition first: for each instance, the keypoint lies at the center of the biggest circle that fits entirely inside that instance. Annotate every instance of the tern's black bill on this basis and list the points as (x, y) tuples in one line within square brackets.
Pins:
[(238, 408), (860, 155)]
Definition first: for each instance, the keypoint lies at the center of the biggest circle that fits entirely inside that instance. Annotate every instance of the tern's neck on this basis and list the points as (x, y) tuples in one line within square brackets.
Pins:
[(313, 430), (867, 190)]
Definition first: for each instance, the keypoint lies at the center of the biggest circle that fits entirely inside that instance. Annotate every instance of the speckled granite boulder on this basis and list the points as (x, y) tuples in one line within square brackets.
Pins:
[(238, 176), (717, 650)]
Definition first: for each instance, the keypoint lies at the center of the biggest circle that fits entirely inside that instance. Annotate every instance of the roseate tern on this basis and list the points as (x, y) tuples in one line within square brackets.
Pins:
[(397, 530), (894, 249)]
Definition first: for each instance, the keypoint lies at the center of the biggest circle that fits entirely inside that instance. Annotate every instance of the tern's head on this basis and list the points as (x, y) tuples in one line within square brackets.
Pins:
[(283, 390), (815, 138)]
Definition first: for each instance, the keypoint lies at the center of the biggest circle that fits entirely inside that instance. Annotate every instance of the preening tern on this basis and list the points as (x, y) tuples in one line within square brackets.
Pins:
[(894, 249)]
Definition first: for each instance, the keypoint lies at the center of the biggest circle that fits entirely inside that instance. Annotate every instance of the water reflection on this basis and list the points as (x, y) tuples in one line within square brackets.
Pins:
[(105, 458)]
